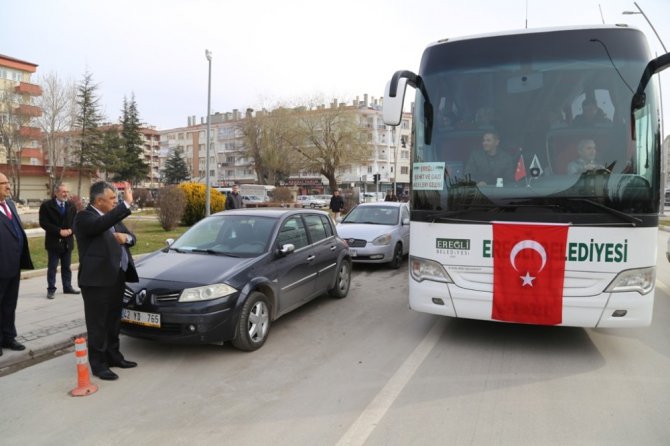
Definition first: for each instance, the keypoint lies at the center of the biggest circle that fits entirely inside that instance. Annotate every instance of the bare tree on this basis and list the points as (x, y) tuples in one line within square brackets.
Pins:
[(59, 113), (266, 138), (329, 139), (16, 114)]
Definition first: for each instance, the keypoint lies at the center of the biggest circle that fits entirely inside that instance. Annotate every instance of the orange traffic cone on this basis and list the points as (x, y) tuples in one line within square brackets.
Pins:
[(84, 386)]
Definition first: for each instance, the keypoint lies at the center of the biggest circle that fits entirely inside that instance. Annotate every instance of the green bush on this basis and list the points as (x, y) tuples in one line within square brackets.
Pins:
[(195, 202)]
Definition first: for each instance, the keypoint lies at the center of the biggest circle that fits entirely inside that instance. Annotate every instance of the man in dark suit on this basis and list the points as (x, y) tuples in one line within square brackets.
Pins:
[(56, 218), (105, 264), (14, 255)]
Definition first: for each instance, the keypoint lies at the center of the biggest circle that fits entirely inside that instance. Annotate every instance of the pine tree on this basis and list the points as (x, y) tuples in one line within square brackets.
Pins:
[(175, 170), (88, 120), (113, 152), (133, 168)]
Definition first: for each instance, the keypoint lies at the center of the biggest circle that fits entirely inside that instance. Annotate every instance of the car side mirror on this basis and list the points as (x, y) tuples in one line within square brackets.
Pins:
[(286, 249), (168, 242), (405, 221)]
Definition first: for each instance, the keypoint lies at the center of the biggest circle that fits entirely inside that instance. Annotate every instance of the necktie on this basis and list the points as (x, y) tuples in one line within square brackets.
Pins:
[(124, 254), (61, 206), (7, 212)]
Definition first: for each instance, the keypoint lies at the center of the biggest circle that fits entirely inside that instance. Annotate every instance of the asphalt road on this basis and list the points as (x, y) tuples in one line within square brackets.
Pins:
[(366, 370)]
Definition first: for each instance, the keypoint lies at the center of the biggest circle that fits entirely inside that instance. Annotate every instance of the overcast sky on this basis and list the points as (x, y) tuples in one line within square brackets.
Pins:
[(266, 51)]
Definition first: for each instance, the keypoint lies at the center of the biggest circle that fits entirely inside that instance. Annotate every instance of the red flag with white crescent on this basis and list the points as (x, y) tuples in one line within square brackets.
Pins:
[(528, 272)]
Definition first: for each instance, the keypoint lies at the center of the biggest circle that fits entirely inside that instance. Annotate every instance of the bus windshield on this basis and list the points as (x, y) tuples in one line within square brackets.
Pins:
[(534, 128)]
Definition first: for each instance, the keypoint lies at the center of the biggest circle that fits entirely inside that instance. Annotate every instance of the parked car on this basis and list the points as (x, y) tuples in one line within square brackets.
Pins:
[(232, 274), (252, 199), (312, 201), (377, 232)]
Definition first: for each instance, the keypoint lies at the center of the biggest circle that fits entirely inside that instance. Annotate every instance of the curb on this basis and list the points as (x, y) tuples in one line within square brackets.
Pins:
[(15, 361)]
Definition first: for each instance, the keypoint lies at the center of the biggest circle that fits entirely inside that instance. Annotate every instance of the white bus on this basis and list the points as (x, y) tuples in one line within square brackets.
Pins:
[(512, 217)]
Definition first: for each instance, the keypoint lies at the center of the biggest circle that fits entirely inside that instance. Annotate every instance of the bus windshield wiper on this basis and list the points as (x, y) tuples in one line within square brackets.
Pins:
[(447, 215), (629, 218)]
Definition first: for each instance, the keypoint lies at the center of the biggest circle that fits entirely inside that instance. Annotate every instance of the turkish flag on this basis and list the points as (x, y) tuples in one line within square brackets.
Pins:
[(520, 171), (528, 272)]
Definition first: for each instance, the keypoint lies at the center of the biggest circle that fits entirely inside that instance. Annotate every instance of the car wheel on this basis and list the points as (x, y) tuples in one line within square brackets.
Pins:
[(253, 325), (396, 261), (312, 205), (342, 281)]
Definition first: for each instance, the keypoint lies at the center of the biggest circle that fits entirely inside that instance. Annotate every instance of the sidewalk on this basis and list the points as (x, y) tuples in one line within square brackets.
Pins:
[(47, 327)]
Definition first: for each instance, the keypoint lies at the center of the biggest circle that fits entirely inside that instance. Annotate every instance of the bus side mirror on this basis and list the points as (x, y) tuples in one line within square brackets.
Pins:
[(394, 100), (639, 98)]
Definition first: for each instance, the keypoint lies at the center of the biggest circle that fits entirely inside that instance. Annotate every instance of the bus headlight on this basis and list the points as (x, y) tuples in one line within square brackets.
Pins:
[(640, 280), (424, 269)]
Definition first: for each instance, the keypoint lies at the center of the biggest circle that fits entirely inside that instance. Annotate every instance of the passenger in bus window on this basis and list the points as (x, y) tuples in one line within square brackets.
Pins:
[(587, 158), (486, 166), (591, 115)]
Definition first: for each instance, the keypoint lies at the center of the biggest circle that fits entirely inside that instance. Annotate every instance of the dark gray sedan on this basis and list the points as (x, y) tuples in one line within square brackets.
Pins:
[(233, 273)]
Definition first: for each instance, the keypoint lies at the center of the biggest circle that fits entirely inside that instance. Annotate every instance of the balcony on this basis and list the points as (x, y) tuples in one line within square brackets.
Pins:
[(31, 152), (27, 110), (30, 132), (26, 88)]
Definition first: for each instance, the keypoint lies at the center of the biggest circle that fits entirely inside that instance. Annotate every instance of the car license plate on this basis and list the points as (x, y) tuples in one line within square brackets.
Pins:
[(353, 252), (141, 318)]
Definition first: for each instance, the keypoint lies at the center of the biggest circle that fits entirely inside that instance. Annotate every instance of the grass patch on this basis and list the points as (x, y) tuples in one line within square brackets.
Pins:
[(150, 237)]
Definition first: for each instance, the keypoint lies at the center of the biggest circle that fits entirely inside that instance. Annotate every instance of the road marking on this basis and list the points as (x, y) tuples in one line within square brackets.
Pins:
[(359, 432)]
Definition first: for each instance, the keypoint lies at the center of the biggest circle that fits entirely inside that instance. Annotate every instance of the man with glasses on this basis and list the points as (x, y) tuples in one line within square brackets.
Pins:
[(56, 218)]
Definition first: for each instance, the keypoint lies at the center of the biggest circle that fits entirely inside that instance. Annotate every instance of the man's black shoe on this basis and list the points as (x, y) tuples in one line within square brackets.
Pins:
[(71, 291), (106, 374), (123, 364), (14, 345), (0, 352), (50, 295)]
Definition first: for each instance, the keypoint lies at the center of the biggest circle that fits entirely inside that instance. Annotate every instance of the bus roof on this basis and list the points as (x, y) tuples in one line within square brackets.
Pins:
[(531, 31)]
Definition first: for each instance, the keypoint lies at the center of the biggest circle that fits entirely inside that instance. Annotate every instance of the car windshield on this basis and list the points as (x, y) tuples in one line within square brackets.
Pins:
[(231, 235), (373, 215)]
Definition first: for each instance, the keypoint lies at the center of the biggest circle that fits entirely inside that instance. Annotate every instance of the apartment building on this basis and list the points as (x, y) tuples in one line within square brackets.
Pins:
[(390, 151), (18, 127)]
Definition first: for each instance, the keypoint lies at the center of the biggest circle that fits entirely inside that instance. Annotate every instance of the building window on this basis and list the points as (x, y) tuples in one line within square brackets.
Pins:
[(404, 170)]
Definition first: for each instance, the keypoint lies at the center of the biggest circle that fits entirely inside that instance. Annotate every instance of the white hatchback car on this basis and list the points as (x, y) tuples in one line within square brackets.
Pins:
[(311, 201), (377, 232)]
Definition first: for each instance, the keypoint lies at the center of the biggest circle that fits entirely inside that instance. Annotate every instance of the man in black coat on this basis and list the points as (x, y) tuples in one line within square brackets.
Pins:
[(105, 264), (336, 204), (14, 255), (234, 200), (56, 218)]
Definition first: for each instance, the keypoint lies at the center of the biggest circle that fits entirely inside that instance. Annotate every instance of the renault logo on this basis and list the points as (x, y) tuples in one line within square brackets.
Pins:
[(139, 297)]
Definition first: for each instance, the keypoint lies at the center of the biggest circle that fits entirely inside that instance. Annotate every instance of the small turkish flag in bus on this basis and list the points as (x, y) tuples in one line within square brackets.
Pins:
[(528, 272), (520, 171)]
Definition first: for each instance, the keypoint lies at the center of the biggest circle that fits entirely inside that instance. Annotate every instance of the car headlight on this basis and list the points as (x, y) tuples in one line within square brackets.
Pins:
[(207, 292), (382, 240), (640, 280), (424, 269)]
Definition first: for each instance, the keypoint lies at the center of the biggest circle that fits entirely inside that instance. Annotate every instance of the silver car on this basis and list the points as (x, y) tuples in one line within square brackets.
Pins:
[(311, 201), (377, 232)]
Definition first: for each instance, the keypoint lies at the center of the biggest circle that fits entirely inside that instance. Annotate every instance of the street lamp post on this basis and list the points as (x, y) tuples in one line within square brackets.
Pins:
[(208, 190), (640, 11)]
